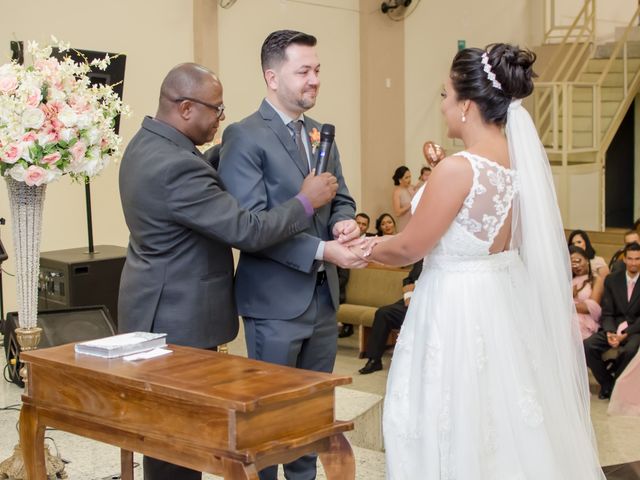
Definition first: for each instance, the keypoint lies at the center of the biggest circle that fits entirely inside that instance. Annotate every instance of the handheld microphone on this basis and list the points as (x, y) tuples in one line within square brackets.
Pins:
[(327, 134)]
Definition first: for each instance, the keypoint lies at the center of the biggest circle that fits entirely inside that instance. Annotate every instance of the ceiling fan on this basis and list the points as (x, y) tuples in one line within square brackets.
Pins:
[(398, 10)]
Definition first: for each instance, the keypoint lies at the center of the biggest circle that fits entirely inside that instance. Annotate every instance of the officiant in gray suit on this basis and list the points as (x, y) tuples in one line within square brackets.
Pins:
[(178, 275), (288, 294)]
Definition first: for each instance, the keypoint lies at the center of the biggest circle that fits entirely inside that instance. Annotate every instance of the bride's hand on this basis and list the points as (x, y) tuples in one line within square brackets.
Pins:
[(369, 244)]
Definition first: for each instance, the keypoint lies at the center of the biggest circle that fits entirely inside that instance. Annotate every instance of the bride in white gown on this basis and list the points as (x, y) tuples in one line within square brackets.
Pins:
[(488, 379)]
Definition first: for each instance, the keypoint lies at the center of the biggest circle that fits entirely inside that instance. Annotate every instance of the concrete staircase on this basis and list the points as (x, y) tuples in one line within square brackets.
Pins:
[(612, 99)]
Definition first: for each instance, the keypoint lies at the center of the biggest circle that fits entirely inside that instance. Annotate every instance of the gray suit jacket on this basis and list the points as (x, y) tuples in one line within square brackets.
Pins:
[(178, 276), (260, 165)]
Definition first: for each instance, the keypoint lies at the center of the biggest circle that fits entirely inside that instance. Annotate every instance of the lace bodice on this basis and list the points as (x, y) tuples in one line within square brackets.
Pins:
[(484, 211)]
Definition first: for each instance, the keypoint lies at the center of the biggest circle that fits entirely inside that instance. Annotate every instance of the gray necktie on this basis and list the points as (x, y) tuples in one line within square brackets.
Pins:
[(296, 125)]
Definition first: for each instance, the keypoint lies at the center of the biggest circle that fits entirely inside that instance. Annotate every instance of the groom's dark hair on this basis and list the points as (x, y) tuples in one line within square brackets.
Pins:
[(275, 45)]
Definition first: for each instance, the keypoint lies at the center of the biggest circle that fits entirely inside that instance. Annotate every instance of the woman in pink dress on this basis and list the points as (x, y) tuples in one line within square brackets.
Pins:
[(587, 292)]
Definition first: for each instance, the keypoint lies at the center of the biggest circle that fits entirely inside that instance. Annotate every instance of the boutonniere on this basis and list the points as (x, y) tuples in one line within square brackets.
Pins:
[(314, 136)]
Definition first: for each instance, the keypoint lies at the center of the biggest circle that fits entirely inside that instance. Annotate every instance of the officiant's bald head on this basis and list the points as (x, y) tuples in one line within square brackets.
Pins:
[(191, 101)]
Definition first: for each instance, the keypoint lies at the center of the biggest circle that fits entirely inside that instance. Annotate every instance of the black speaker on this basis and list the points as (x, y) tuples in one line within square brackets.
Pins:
[(58, 327), (75, 278)]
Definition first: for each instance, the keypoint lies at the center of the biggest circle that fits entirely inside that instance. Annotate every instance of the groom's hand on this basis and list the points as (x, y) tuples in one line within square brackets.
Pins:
[(341, 256), (319, 189), (346, 230)]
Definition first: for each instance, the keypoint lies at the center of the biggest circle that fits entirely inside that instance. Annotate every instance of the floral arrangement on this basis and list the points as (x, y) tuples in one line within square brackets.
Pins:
[(53, 121), (314, 136)]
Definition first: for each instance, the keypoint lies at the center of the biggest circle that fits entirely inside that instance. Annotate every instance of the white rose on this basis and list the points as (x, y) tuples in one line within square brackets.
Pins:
[(93, 166), (56, 95), (67, 134), (68, 117), (25, 151), (18, 172), (32, 118), (45, 139), (52, 174), (93, 136), (84, 120)]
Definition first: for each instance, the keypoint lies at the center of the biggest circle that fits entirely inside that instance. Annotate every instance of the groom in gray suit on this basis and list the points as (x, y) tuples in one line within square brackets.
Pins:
[(178, 276), (288, 293)]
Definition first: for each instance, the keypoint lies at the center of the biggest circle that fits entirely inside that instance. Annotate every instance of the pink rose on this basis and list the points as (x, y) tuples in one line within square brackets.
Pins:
[(34, 96), (78, 150), (8, 83), (51, 158), (29, 137), (35, 176), (12, 153)]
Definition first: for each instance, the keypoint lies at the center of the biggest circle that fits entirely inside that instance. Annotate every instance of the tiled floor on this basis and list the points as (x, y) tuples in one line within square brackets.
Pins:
[(618, 437)]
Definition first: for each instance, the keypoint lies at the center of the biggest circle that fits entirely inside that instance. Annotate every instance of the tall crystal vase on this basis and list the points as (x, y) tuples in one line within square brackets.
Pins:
[(26, 204)]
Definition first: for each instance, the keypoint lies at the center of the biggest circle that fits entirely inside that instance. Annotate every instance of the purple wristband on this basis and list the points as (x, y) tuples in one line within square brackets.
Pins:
[(308, 208)]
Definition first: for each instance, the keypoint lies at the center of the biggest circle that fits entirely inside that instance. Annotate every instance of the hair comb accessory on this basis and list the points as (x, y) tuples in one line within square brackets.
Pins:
[(490, 75)]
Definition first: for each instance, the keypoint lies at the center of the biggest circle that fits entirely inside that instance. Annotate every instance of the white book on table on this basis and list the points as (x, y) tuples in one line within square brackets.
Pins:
[(123, 344)]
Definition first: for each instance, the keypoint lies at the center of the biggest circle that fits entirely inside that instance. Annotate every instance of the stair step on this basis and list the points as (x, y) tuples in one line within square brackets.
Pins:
[(615, 79), (608, 109), (574, 158), (605, 50), (579, 139), (608, 93), (598, 65), (634, 34)]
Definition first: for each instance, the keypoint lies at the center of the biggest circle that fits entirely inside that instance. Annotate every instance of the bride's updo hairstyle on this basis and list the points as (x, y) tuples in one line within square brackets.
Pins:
[(493, 77)]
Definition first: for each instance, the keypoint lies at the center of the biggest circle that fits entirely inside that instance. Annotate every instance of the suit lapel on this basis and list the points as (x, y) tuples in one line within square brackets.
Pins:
[(284, 135)]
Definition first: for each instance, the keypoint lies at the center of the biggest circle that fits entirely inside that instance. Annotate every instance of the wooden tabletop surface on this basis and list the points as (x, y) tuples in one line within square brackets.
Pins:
[(205, 376)]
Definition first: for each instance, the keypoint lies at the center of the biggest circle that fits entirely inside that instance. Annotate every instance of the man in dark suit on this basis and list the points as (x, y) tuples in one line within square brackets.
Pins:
[(288, 293), (387, 318), (178, 276), (620, 322)]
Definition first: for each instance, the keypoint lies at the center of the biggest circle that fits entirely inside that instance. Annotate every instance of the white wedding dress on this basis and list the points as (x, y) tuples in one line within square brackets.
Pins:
[(469, 396)]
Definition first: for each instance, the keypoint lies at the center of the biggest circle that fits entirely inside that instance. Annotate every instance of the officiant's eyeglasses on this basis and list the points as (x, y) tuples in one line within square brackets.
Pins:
[(218, 108)]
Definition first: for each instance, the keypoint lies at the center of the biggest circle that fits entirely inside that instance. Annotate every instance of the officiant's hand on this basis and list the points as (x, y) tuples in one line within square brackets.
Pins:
[(319, 189), (342, 256), (346, 230)]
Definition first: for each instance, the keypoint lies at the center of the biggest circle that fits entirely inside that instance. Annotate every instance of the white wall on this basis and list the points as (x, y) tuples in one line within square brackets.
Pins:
[(431, 38), (335, 23), (124, 26)]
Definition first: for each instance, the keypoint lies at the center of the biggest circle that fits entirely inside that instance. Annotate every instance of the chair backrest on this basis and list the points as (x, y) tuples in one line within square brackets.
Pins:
[(374, 286)]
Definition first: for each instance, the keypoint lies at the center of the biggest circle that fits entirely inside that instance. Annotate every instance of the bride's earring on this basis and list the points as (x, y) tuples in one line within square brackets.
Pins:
[(464, 118)]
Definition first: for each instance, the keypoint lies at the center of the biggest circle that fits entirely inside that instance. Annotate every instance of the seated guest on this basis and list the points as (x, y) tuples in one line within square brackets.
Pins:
[(587, 292), (616, 263), (363, 221), (388, 318), (620, 322), (580, 239), (385, 225)]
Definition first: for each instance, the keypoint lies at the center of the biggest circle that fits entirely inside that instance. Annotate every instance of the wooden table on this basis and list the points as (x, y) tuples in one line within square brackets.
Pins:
[(204, 410)]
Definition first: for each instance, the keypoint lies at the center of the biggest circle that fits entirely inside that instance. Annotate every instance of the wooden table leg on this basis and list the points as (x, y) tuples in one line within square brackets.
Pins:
[(234, 470), (338, 461), (126, 464), (32, 443)]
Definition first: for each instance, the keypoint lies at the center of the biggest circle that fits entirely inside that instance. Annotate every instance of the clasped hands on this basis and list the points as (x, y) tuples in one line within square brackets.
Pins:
[(615, 339), (349, 249)]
